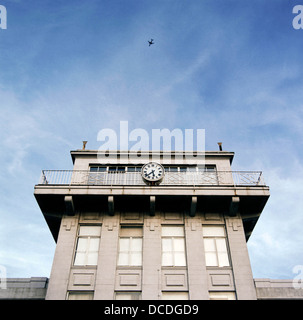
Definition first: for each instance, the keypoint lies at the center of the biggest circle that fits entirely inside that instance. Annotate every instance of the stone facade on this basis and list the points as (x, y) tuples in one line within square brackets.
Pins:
[(184, 238)]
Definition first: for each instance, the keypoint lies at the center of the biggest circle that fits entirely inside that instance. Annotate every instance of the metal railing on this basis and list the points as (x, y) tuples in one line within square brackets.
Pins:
[(215, 178)]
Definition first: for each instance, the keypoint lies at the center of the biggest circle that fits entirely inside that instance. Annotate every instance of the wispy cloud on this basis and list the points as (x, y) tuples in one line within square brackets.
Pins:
[(68, 71)]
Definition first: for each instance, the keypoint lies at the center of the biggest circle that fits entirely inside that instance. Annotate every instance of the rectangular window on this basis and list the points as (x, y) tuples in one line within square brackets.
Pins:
[(128, 295), (96, 175), (133, 169), (98, 169), (80, 295), (173, 246), (210, 168), (130, 246), (170, 295), (87, 246), (222, 295), (216, 254)]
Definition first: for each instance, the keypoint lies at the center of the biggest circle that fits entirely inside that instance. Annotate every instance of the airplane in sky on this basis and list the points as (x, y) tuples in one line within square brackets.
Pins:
[(151, 42)]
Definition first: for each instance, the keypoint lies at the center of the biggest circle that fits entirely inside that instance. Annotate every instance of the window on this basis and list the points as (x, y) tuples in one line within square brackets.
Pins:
[(80, 295), (175, 169), (97, 169), (133, 169), (173, 246), (222, 296), (130, 246), (210, 168), (169, 295), (87, 246), (215, 246), (128, 296)]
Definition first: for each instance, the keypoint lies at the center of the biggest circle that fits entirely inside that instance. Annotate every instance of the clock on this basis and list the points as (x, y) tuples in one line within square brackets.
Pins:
[(152, 173)]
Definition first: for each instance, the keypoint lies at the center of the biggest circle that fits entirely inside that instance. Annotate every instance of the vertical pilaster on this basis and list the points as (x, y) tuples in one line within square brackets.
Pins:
[(107, 260), (151, 271), (197, 276), (243, 277), (58, 282)]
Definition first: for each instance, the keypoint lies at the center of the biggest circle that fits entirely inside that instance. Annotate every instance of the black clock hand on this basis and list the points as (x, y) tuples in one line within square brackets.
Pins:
[(150, 173)]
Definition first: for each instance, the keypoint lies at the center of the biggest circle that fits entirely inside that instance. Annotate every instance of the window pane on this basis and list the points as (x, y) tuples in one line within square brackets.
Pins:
[(93, 244), (80, 296), (222, 296), (221, 245), (211, 259), (123, 296), (223, 259), (92, 258), (167, 245), (172, 231), (124, 244), (82, 244), (136, 244), (80, 259), (211, 231), (179, 244), (180, 259), (123, 259), (127, 295), (209, 245), (167, 259), (210, 168), (90, 231), (174, 295), (136, 259)]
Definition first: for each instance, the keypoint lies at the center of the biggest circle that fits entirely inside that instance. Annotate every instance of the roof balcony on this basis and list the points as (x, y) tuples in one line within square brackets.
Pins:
[(120, 178)]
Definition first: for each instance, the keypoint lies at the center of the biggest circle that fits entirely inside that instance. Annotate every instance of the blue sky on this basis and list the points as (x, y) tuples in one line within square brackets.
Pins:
[(71, 68)]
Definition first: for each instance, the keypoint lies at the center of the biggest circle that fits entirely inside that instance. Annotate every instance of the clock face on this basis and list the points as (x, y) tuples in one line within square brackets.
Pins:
[(152, 171)]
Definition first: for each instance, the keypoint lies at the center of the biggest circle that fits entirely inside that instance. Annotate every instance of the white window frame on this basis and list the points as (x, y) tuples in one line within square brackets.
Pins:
[(92, 235), (217, 239), (173, 238), (130, 233)]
